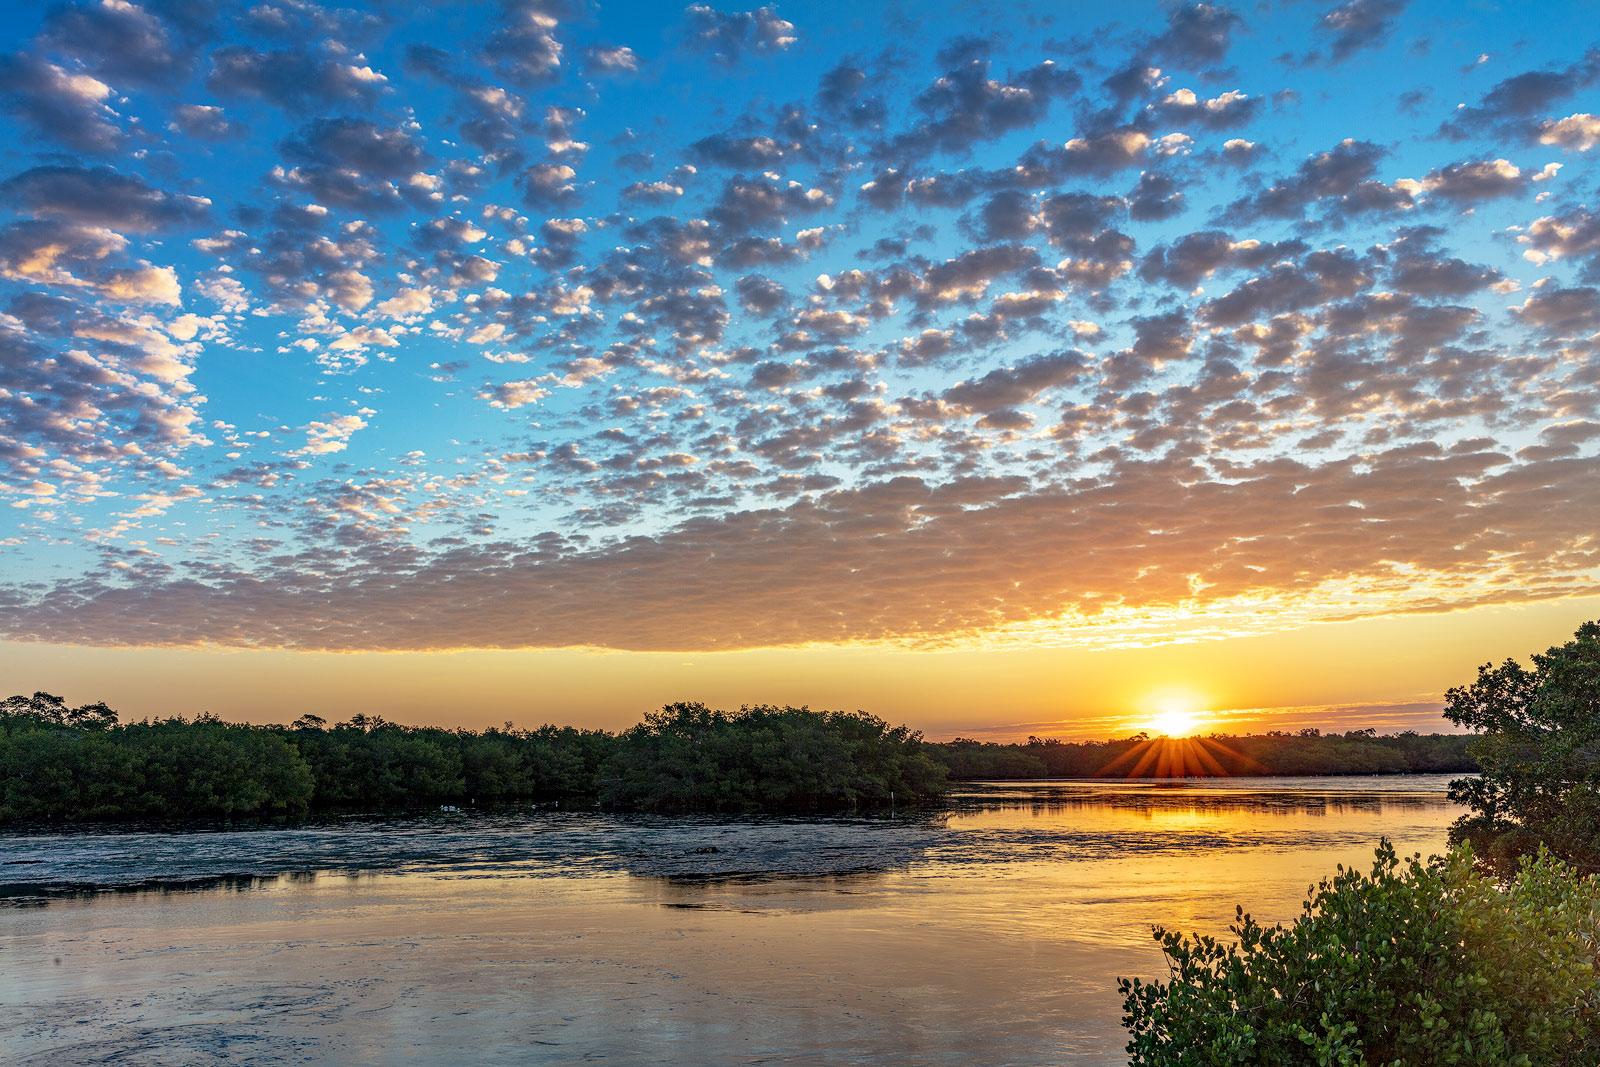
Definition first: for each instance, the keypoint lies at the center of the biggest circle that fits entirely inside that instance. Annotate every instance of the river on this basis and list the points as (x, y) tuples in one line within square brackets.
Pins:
[(990, 933)]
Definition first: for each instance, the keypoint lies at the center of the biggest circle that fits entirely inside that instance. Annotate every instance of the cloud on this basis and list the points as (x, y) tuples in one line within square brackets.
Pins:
[(357, 145), (525, 47), (1343, 179), (1319, 278), (119, 41), (1562, 312), (760, 294), (1511, 108), (1475, 181), (966, 277), (67, 107), (611, 60), (1579, 132), (749, 204), (1224, 111), (1197, 35), (296, 80), (510, 395), (843, 93), (549, 184), (1156, 197), (966, 107), (71, 256), (1572, 234), (353, 163), (1010, 387), (1014, 333), (204, 122), (1355, 25), (1431, 274), (739, 152), (118, 395), (102, 197), (729, 36), (331, 435), (1097, 155), (656, 192), (1283, 535), (1196, 256)]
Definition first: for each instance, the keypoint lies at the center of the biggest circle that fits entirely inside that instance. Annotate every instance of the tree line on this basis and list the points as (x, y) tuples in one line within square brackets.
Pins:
[(1275, 753), (62, 763), (77, 764)]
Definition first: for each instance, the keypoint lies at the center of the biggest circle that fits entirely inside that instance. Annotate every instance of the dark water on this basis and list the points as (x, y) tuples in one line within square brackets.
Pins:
[(990, 933)]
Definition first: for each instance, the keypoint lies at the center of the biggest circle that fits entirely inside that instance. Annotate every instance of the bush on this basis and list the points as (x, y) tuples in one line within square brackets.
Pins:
[(1415, 965)]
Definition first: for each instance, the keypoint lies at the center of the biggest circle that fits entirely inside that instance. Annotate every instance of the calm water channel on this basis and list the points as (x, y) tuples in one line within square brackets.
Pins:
[(988, 934)]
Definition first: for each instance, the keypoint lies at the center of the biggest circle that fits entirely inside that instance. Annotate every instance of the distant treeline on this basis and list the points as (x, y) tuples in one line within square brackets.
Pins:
[(59, 763), (77, 764), (1273, 753)]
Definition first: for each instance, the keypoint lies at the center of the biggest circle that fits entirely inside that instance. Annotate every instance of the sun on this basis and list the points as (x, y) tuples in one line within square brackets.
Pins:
[(1174, 723), (1174, 714)]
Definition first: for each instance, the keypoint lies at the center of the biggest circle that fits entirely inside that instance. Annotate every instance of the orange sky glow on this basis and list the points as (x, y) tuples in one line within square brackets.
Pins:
[(1386, 672)]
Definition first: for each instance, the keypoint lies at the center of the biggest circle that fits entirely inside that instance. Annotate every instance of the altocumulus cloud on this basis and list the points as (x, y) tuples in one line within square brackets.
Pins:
[(529, 325)]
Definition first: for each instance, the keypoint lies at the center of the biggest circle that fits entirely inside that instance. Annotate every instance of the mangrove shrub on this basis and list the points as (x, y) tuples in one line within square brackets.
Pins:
[(1417, 964)]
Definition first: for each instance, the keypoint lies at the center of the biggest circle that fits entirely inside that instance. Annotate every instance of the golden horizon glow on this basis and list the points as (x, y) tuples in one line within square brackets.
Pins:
[(1174, 713), (1237, 685)]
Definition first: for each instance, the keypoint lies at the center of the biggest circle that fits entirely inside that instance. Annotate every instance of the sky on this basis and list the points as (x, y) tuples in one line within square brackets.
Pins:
[(997, 369)]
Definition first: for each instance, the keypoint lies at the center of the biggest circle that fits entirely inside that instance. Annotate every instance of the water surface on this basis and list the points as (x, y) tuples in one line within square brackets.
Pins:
[(990, 933)]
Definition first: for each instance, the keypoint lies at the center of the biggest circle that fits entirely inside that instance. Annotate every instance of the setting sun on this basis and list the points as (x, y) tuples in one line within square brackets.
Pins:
[(1175, 723), (1174, 713)]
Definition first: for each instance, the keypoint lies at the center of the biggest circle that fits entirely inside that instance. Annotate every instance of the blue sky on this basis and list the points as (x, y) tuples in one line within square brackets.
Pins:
[(656, 328)]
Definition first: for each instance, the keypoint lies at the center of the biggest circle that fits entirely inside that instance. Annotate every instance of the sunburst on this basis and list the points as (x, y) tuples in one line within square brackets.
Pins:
[(1175, 713), (1175, 723)]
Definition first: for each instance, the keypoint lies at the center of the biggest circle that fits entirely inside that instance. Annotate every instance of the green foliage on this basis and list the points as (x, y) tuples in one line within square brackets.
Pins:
[(969, 760), (370, 763), (1539, 754), (63, 763), (77, 764), (1274, 753), (688, 757), (209, 769), (1415, 965), (45, 771)]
